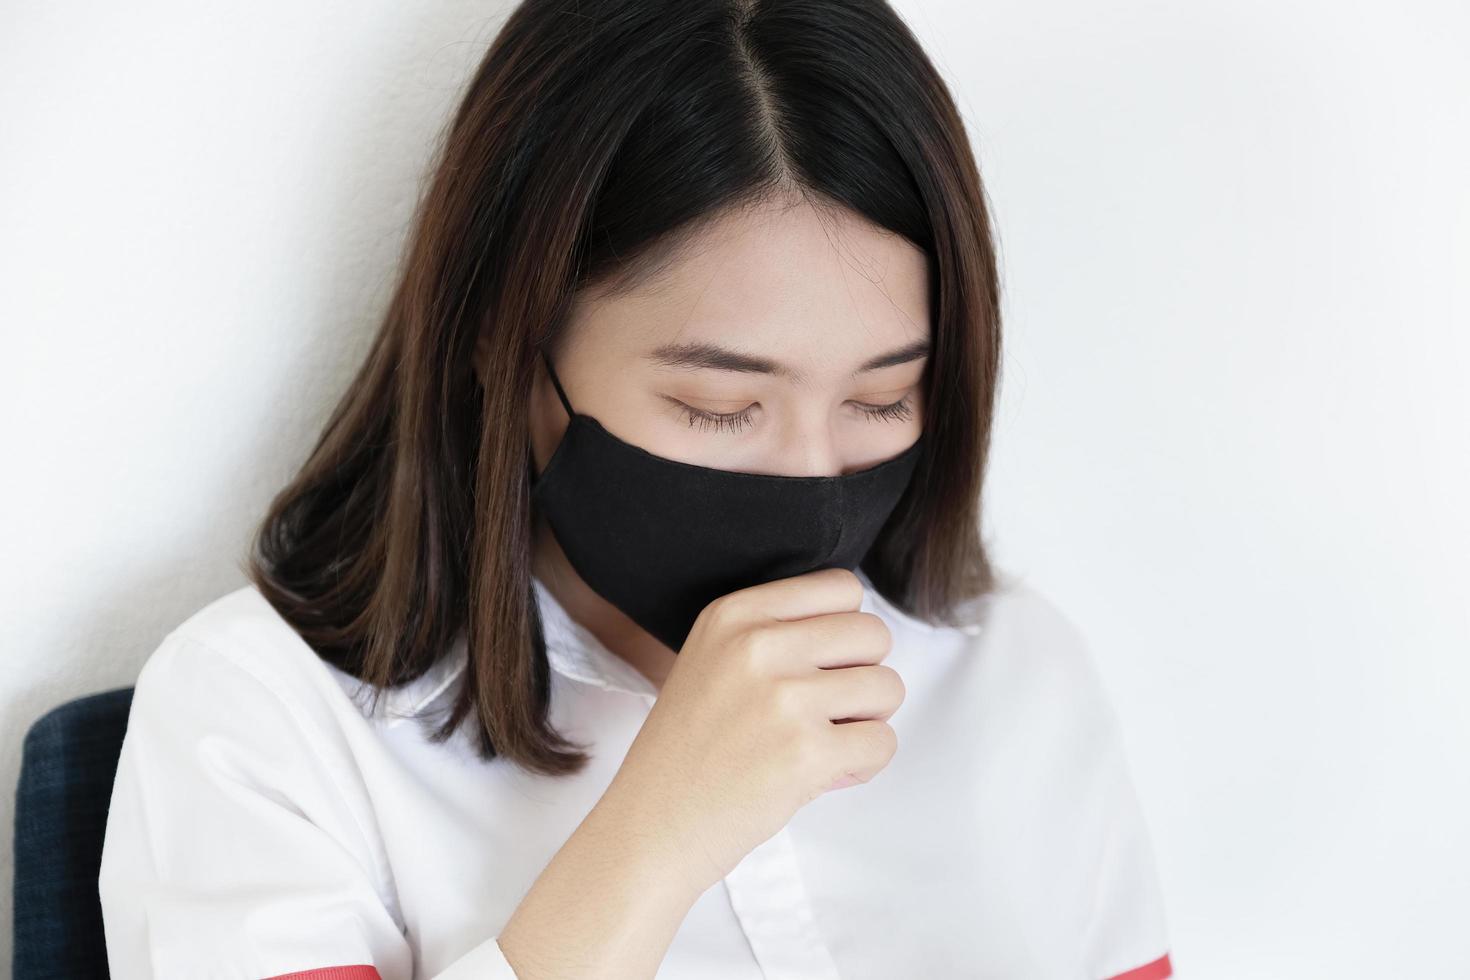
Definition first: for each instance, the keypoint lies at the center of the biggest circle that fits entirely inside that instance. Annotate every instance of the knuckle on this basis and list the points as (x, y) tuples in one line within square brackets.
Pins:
[(892, 682), (884, 634), (720, 612), (880, 636), (787, 698), (765, 645), (853, 584), (845, 579), (808, 754), (742, 652), (884, 741)]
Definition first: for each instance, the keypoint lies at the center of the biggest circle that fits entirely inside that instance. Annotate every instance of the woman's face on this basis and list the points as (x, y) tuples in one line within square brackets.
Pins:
[(784, 341)]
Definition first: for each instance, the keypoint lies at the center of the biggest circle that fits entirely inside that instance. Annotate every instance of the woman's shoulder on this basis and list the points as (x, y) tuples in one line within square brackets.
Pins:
[(240, 633), (235, 637), (239, 628), (233, 692), (1016, 617), (239, 779), (1015, 651), (1007, 725)]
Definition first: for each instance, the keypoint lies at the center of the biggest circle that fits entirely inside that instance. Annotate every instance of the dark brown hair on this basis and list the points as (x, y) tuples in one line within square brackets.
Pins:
[(593, 140)]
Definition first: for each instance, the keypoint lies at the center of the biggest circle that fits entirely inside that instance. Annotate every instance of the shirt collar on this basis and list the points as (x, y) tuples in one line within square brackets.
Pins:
[(576, 653), (571, 650)]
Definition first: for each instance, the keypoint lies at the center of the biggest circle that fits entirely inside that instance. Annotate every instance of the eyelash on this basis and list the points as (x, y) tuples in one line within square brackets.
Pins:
[(899, 411)]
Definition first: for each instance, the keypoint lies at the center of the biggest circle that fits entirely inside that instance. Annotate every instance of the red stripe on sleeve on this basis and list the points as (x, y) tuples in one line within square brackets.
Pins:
[(358, 971), (1159, 969)]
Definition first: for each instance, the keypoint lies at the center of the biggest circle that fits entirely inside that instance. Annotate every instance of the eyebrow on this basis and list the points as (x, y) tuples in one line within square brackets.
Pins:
[(714, 357)]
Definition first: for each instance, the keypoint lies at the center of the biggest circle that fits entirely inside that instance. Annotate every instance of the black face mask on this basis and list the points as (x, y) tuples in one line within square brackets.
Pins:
[(660, 539)]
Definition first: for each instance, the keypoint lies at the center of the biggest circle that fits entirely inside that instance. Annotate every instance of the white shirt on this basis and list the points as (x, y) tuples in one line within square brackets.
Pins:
[(262, 823)]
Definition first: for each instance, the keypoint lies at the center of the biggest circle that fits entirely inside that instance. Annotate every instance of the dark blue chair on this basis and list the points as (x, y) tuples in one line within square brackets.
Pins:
[(68, 763)]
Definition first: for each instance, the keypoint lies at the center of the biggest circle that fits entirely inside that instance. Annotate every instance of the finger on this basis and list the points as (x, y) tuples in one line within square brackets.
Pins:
[(854, 693), (863, 748), (827, 590), (845, 639)]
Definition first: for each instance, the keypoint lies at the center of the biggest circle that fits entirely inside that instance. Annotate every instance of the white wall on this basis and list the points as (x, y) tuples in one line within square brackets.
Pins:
[(1235, 441), (1234, 425)]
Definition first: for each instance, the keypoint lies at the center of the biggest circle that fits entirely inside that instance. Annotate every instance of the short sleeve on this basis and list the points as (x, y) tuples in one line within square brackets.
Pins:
[(1126, 936), (231, 851)]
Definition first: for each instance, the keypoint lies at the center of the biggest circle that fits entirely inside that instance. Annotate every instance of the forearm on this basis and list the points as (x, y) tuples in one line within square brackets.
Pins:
[(607, 905)]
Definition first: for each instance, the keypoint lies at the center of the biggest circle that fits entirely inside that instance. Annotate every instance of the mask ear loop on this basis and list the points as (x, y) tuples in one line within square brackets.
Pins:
[(557, 384)]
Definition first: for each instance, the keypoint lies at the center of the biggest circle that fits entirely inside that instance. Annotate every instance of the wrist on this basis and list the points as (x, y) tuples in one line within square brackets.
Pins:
[(666, 866)]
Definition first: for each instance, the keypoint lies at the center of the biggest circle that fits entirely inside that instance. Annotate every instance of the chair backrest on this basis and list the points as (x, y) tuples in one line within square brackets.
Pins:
[(68, 764)]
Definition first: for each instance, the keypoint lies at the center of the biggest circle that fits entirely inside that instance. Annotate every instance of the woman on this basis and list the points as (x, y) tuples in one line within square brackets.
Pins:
[(651, 522)]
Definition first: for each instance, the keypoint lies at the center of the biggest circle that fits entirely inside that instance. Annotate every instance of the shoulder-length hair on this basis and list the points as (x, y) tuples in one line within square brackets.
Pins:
[(594, 138)]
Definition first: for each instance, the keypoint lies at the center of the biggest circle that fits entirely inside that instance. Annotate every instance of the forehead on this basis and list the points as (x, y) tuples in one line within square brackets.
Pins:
[(788, 280)]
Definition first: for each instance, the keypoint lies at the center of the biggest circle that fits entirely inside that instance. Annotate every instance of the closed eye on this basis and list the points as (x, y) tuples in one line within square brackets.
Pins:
[(898, 411)]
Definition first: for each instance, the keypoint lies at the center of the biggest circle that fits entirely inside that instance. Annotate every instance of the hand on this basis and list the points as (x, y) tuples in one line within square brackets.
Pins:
[(776, 697)]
